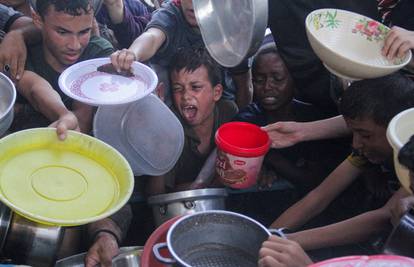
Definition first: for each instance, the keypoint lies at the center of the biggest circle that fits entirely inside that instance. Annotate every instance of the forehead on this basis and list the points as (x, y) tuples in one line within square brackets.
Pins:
[(270, 59), (200, 73)]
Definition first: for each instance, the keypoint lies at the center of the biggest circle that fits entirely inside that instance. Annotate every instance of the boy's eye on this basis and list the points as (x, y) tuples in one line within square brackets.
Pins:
[(62, 32), (176, 89)]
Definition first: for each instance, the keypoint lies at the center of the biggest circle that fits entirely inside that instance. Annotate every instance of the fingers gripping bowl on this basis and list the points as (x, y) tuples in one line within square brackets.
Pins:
[(71, 182), (350, 44)]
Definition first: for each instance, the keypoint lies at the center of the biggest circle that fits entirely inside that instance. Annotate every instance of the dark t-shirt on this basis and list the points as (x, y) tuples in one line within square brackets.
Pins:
[(28, 117), (287, 23), (191, 160)]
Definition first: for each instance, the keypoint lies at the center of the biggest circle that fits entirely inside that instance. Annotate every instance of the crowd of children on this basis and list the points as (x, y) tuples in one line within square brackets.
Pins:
[(309, 114)]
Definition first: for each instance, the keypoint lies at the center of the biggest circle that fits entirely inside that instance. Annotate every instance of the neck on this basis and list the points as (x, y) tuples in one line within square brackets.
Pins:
[(203, 130)]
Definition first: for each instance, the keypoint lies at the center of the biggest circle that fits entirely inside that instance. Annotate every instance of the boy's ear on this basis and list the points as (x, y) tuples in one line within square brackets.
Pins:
[(37, 19), (218, 91)]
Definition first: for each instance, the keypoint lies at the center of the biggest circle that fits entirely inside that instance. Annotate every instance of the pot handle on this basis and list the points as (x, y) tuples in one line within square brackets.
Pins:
[(156, 250), (280, 232)]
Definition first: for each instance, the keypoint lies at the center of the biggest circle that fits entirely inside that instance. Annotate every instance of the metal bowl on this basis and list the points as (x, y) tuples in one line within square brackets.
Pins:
[(231, 32), (7, 99), (129, 257), (96, 5)]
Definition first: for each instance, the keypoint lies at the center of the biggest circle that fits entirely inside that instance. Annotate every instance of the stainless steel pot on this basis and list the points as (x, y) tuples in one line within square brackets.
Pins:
[(167, 206), (7, 99), (401, 239), (96, 5), (128, 257), (31, 243), (231, 30), (214, 238)]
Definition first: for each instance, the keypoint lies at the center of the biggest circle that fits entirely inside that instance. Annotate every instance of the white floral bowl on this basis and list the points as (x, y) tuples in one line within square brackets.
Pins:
[(350, 44)]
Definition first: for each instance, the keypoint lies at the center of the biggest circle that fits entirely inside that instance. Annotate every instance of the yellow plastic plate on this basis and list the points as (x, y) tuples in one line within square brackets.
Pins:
[(71, 182)]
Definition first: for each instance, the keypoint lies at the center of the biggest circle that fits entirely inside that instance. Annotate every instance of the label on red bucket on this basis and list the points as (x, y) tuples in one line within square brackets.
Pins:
[(237, 172)]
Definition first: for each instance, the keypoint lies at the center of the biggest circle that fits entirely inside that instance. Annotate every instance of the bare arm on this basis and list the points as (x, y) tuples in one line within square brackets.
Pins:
[(13, 48), (47, 101), (353, 230), (115, 10), (319, 198), (142, 49), (288, 133)]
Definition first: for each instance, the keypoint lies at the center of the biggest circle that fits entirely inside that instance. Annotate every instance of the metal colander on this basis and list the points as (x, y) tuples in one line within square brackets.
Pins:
[(216, 238)]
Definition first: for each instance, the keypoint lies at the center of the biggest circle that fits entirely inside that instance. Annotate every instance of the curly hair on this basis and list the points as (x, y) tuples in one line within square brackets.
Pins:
[(71, 7)]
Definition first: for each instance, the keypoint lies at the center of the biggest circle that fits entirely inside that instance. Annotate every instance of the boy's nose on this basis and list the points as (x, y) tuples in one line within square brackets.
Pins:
[(356, 142), (74, 43)]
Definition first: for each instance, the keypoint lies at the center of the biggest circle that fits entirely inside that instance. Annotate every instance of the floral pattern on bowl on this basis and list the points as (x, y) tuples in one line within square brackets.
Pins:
[(326, 19), (371, 29)]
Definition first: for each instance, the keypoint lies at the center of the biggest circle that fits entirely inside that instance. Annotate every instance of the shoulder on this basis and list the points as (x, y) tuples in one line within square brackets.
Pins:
[(165, 16), (7, 17), (97, 47)]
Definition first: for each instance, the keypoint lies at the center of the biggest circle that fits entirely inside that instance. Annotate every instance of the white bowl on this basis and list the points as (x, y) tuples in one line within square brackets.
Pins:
[(399, 131), (84, 83), (349, 44)]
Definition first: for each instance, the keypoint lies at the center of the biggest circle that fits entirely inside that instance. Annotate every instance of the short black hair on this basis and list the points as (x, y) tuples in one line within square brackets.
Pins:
[(191, 59), (71, 7), (269, 48), (378, 99), (406, 154)]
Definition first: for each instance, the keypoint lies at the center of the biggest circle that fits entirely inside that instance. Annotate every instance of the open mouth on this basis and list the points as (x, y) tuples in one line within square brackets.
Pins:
[(269, 100), (189, 112)]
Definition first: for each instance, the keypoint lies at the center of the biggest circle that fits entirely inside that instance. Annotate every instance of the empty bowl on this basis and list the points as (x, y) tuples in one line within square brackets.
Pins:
[(349, 44), (399, 131)]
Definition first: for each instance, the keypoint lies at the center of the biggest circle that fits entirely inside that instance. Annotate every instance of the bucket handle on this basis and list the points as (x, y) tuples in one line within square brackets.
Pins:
[(279, 232), (156, 250)]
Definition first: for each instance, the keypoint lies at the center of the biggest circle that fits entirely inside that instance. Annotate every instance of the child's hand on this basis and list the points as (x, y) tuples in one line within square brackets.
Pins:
[(279, 252), (67, 121), (284, 133), (397, 43)]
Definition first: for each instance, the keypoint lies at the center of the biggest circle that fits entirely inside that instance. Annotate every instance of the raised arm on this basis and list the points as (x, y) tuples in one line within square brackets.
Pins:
[(47, 101), (319, 198), (142, 49), (288, 133), (13, 47)]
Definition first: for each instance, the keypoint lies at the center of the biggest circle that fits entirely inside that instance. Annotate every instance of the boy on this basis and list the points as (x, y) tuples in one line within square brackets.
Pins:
[(367, 106), (196, 90), (173, 27)]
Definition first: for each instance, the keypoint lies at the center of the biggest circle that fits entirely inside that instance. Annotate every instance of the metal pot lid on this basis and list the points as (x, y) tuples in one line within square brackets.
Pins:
[(231, 32), (145, 132), (187, 195)]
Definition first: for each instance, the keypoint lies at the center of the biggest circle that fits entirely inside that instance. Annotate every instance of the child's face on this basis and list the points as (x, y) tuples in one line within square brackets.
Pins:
[(273, 87), (194, 96), (188, 12), (370, 139)]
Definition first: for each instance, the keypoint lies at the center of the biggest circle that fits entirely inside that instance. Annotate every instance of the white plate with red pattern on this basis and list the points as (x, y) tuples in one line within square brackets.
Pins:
[(84, 83)]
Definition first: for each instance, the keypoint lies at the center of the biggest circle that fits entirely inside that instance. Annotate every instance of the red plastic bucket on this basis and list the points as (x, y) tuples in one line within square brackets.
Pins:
[(241, 148)]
